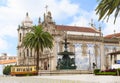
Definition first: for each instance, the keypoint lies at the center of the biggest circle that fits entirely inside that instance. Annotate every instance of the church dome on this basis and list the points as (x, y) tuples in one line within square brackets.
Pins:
[(27, 22)]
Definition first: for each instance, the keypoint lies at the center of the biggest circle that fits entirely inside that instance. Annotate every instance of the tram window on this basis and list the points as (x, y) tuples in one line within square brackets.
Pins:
[(13, 69), (27, 69), (17, 69), (20, 69), (30, 69), (24, 69), (35, 68)]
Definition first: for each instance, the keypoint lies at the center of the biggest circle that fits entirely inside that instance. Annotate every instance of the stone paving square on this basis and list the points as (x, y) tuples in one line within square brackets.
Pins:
[(83, 78)]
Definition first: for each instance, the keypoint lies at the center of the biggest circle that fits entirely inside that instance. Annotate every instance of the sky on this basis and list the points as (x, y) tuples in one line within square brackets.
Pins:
[(64, 12)]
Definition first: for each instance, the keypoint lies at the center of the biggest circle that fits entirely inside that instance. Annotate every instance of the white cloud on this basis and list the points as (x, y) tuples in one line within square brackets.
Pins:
[(80, 21), (12, 15), (8, 30), (110, 26), (84, 18), (3, 44), (14, 11), (11, 55), (62, 9)]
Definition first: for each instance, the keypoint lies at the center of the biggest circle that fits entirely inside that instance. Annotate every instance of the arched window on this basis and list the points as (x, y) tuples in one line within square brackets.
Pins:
[(24, 54), (31, 53), (20, 37), (27, 52), (20, 54)]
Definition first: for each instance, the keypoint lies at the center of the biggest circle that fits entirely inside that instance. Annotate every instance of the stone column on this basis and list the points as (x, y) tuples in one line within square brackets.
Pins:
[(102, 61), (96, 54), (115, 58), (54, 59), (96, 49), (110, 60), (107, 58), (60, 47), (72, 48), (84, 49)]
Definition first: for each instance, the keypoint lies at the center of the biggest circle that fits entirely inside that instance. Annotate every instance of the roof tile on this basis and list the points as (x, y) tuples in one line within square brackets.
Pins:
[(112, 35), (8, 61), (76, 28)]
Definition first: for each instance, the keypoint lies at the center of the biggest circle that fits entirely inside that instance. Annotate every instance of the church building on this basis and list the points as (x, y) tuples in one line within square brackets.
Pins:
[(87, 43)]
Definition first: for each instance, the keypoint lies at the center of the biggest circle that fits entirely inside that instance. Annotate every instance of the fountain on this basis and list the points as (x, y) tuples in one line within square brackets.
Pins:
[(66, 62)]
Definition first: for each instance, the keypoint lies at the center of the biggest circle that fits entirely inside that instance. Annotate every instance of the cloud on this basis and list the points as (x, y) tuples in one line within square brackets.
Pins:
[(8, 30), (65, 9), (11, 55), (3, 44), (110, 26), (12, 12), (84, 19)]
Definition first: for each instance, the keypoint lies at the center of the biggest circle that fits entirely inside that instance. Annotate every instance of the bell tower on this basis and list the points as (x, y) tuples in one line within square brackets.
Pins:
[(24, 28), (48, 23)]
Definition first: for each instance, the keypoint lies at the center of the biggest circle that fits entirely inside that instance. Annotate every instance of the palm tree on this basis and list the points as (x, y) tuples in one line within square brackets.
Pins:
[(38, 39), (107, 7)]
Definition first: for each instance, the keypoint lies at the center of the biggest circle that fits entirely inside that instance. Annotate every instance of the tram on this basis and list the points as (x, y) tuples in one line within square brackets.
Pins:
[(23, 70)]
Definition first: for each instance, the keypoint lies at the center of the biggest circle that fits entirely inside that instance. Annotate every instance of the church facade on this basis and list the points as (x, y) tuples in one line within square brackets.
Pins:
[(87, 43)]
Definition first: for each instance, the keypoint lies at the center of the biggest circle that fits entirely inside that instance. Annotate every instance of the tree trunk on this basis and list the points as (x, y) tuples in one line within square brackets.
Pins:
[(37, 65)]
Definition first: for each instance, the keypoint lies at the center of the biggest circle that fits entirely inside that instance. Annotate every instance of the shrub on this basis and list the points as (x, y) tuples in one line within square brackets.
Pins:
[(96, 71), (106, 73), (7, 70), (118, 71), (110, 70), (29, 74)]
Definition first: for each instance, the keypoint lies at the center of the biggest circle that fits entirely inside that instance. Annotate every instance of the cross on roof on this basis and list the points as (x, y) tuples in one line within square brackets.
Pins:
[(114, 31), (46, 8), (92, 23)]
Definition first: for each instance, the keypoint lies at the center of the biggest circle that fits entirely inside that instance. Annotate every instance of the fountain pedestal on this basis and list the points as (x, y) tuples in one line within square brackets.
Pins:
[(66, 62)]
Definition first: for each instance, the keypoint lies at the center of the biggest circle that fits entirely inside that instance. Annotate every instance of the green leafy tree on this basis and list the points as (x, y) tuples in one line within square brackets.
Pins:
[(7, 70), (106, 7), (38, 39)]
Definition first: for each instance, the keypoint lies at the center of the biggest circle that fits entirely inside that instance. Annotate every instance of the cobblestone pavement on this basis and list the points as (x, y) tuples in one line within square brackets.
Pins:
[(83, 78)]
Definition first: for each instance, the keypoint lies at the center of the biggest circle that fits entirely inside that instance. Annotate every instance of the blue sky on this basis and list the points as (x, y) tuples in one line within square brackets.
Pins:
[(66, 12)]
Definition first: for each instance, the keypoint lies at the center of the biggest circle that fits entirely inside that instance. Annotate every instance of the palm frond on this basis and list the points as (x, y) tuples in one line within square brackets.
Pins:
[(107, 7), (37, 38)]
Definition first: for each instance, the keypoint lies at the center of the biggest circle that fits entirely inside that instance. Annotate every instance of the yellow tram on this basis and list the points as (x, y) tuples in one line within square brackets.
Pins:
[(23, 70)]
